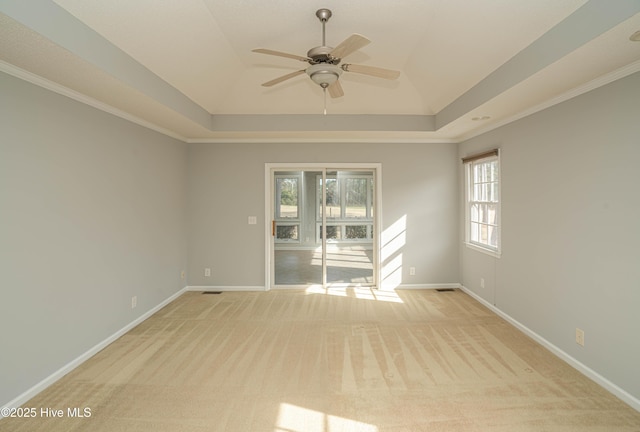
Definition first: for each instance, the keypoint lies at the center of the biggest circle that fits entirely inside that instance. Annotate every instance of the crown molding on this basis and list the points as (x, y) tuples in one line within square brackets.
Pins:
[(308, 140), (79, 97), (603, 80)]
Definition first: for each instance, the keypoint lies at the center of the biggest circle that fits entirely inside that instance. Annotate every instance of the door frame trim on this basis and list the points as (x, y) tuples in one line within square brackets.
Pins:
[(271, 167)]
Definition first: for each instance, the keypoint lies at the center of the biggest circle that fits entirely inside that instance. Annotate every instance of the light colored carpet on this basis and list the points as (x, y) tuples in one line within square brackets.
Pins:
[(349, 360)]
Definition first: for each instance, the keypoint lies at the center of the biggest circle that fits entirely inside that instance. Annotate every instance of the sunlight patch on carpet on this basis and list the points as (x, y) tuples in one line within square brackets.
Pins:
[(293, 418)]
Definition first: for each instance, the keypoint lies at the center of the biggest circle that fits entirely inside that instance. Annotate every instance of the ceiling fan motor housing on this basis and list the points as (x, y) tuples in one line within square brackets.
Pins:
[(322, 54)]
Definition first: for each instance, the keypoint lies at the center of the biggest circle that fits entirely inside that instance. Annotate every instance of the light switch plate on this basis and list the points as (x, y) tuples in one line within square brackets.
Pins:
[(253, 220)]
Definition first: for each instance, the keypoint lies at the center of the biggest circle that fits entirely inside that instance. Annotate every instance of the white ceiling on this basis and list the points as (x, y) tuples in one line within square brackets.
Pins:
[(185, 67)]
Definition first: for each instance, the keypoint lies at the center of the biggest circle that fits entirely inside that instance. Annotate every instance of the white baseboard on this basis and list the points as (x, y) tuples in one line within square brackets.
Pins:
[(262, 288), (623, 395), (225, 288), (428, 286), (33, 391)]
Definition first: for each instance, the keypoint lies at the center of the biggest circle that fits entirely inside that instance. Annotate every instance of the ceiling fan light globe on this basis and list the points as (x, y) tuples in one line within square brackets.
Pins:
[(324, 74), (324, 78)]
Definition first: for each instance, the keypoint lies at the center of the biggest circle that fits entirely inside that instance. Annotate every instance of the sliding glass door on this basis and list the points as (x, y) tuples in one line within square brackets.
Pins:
[(323, 227)]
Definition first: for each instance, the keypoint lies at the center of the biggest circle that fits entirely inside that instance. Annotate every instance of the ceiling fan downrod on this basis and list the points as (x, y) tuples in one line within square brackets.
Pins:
[(323, 15)]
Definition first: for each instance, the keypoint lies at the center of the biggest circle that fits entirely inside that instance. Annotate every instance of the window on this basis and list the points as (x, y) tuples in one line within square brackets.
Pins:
[(483, 201), (349, 207), (287, 207)]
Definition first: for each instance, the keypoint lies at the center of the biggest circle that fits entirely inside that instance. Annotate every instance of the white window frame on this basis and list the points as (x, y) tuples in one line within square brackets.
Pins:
[(342, 221), (469, 202), (297, 221)]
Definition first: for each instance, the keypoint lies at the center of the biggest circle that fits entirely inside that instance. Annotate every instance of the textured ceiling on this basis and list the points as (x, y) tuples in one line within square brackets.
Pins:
[(186, 67)]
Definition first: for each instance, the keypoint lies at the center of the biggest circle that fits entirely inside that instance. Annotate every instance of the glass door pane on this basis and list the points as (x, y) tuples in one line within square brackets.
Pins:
[(349, 231), (297, 251)]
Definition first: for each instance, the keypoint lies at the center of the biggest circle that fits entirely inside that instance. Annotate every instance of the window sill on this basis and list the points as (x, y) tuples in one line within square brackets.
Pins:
[(493, 253)]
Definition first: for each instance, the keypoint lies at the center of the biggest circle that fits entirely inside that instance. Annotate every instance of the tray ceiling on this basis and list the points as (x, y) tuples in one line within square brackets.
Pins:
[(186, 68)]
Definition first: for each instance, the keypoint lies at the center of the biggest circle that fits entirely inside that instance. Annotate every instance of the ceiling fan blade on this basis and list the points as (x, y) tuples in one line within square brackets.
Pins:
[(335, 90), (372, 70), (280, 54), (349, 45), (282, 78)]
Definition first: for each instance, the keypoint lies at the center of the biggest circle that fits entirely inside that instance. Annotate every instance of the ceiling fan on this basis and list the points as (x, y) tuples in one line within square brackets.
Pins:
[(325, 67)]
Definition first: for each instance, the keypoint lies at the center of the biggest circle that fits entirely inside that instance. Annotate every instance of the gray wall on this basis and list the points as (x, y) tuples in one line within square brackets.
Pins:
[(92, 212), (226, 185), (570, 233)]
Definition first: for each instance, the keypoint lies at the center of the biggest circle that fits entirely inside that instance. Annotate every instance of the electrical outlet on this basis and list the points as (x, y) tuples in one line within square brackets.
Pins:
[(207, 272), (134, 302), (412, 271), (481, 282), (182, 274), (580, 336)]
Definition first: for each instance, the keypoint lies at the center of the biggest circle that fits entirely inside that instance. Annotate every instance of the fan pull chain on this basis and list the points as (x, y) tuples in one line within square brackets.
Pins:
[(324, 89)]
